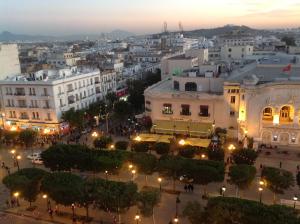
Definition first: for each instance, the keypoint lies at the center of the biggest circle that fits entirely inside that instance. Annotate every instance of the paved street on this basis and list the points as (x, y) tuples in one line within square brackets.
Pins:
[(14, 219)]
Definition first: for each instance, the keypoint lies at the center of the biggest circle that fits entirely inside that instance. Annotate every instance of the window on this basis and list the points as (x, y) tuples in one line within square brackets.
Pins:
[(190, 86), (229, 49), (285, 113), (49, 117), (232, 113), (167, 109), (24, 115), (232, 99), (59, 90), (46, 92), (61, 103), (243, 97), (47, 105), (185, 110), (148, 102), (20, 92), (204, 111), (32, 91), (176, 85)]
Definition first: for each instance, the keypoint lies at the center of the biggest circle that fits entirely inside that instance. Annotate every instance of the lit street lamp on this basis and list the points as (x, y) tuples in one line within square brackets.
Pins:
[(106, 174), (133, 172), (17, 161), (176, 220), (260, 189), (295, 198), (48, 203), (73, 211), (16, 195), (94, 134), (223, 189), (181, 142), (159, 181), (130, 166), (137, 218)]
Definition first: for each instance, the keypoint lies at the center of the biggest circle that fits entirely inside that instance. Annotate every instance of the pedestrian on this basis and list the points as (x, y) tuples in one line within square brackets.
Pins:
[(3, 165), (298, 167), (8, 170), (12, 202), (185, 188), (261, 166), (280, 164), (192, 187), (50, 213)]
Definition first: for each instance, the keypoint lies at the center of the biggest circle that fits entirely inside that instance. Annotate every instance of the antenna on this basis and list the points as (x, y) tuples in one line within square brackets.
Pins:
[(165, 27), (180, 27)]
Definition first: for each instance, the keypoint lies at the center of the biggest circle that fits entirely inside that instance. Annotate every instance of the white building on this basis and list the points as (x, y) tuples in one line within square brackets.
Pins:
[(236, 53), (9, 60), (38, 100)]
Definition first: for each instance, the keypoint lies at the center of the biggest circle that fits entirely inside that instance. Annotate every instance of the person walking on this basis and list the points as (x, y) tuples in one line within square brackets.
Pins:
[(280, 164)]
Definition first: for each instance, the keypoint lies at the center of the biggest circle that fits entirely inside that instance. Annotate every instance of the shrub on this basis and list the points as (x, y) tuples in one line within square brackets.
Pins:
[(162, 148), (187, 151), (102, 142), (121, 145), (216, 154), (141, 147)]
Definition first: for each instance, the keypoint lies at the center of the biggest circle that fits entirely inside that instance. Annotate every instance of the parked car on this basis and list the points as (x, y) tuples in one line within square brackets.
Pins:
[(37, 161), (35, 155)]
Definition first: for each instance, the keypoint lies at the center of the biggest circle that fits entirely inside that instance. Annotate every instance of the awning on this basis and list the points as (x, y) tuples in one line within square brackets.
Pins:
[(182, 127), (166, 138)]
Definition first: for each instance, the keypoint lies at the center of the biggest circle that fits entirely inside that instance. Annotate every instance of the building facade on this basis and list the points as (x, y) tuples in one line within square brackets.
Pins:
[(9, 60)]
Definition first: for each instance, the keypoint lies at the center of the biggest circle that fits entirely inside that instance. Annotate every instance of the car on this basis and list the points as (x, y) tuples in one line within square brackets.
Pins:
[(37, 161), (34, 155), (186, 179)]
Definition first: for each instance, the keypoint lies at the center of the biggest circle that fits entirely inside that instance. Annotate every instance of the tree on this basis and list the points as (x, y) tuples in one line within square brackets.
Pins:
[(122, 109), (146, 163), (148, 199), (244, 156), (277, 180), (216, 154), (136, 94), (241, 176), (28, 137), (170, 166), (228, 210), (63, 188), (193, 211), (74, 118), (187, 151), (290, 41), (111, 98), (152, 78), (26, 181)]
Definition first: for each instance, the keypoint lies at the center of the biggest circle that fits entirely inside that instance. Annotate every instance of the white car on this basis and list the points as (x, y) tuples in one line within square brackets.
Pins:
[(37, 161), (35, 155)]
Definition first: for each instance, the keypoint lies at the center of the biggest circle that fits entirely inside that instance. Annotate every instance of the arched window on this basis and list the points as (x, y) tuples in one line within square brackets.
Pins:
[(190, 86), (176, 85), (267, 113), (285, 113)]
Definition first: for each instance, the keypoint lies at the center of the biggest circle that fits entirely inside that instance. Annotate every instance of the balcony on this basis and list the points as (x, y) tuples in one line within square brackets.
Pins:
[(19, 94), (204, 114), (34, 106), (71, 102), (70, 90), (46, 107), (185, 113), (23, 106), (167, 112), (45, 94), (24, 118), (9, 94)]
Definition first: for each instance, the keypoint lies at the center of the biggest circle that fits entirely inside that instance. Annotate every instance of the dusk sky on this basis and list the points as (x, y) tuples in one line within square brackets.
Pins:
[(59, 17)]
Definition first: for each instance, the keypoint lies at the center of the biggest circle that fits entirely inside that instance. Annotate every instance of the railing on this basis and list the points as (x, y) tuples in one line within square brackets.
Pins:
[(167, 112), (203, 115), (185, 113), (19, 94)]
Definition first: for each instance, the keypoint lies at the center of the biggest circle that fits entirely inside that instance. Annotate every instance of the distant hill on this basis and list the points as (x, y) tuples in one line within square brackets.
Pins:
[(6, 36), (224, 30)]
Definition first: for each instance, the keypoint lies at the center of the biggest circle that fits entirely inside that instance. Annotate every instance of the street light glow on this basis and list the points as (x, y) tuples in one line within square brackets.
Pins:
[(260, 189), (137, 217), (94, 134), (19, 157), (181, 142), (16, 194), (13, 151), (112, 146), (223, 189), (203, 156), (295, 198), (138, 138), (231, 147), (130, 166), (133, 171), (45, 196), (159, 179), (176, 220)]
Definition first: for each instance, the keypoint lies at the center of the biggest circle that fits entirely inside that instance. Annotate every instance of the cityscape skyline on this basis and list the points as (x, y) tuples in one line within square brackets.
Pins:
[(91, 17)]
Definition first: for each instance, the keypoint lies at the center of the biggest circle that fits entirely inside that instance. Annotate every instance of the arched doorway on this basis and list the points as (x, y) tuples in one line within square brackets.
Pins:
[(266, 137), (284, 138)]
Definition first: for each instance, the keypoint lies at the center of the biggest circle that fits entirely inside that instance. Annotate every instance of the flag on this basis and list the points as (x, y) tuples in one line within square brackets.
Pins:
[(287, 68)]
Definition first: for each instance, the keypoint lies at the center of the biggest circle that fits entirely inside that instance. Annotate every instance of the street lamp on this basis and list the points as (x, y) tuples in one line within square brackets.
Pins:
[(181, 142), (138, 138), (159, 181), (16, 195), (106, 174), (112, 146), (73, 210), (95, 134), (231, 147), (133, 173), (17, 161), (260, 189), (176, 220), (295, 198), (203, 156), (223, 190), (130, 166), (45, 196), (137, 218)]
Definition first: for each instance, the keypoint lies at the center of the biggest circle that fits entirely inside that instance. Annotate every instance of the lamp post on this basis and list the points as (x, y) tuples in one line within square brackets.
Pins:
[(137, 218), (295, 198), (73, 210), (133, 172), (260, 189), (176, 208), (159, 181), (17, 161), (16, 195), (106, 174), (176, 220), (223, 189), (48, 203)]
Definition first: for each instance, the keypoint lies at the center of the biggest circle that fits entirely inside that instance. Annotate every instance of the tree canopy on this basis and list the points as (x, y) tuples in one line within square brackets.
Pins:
[(244, 156), (28, 137)]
